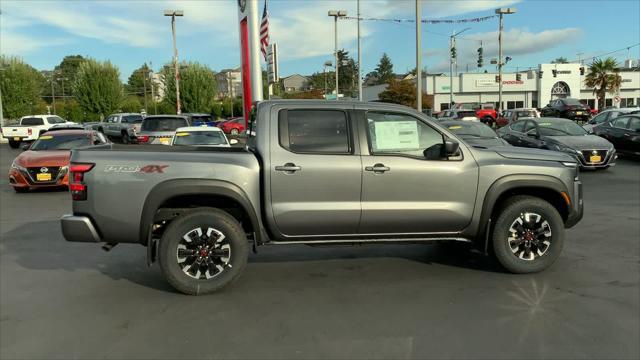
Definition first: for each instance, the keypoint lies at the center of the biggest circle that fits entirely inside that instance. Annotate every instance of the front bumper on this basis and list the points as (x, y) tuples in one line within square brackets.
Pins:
[(22, 179), (609, 159), (577, 206), (79, 229)]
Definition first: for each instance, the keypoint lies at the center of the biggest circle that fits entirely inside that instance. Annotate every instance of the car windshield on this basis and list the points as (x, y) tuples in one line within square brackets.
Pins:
[(560, 128), (471, 129), (572, 102), (60, 142), (529, 113), (200, 138), (462, 114), (163, 124)]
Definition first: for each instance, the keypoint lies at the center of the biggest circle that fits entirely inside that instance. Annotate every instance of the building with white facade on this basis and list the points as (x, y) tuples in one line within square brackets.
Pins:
[(536, 88), (229, 83)]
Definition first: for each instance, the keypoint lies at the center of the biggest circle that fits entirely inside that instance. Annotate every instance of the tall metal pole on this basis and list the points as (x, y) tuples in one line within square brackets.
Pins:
[(359, 58), (336, 52), (53, 95), (1, 113), (418, 56), (176, 68), (450, 72), (144, 85), (500, 65)]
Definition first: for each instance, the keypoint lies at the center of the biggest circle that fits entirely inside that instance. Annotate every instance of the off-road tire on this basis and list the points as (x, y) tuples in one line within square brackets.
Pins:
[(203, 218), (14, 144), (512, 209)]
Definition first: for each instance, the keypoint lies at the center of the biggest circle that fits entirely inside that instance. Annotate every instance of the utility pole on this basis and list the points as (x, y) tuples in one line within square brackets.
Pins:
[(501, 12), (336, 14), (359, 58), (418, 56), (176, 68), (153, 95), (53, 96), (144, 85), (453, 55)]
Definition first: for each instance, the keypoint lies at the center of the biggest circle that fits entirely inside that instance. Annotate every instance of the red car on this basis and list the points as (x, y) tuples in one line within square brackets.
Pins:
[(45, 163), (485, 112), (234, 126)]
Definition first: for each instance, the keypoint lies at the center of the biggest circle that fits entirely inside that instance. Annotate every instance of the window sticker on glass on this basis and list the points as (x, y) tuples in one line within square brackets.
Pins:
[(396, 135), (454, 127), (182, 134)]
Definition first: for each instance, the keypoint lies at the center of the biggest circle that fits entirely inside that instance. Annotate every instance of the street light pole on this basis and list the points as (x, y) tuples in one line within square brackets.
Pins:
[(359, 58), (176, 68), (336, 14), (501, 12), (452, 44), (53, 96), (418, 56)]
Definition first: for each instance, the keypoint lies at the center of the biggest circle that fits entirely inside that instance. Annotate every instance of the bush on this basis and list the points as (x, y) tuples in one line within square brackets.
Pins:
[(131, 104), (216, 110)]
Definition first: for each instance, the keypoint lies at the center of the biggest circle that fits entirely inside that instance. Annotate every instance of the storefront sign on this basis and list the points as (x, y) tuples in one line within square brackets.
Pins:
[(485, 82), (512, 82)]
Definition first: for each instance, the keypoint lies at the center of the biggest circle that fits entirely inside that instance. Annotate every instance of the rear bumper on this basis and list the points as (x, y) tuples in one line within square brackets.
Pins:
[(79, 229)]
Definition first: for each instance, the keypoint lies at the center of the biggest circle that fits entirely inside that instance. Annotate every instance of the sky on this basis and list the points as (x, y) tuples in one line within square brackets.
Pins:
[(130, 33)]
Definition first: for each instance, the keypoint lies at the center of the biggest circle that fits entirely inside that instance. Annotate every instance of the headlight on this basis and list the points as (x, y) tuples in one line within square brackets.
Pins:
[(17, 167)]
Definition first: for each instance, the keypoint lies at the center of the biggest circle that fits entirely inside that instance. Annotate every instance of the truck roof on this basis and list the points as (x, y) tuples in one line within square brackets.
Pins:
[(330, 102)]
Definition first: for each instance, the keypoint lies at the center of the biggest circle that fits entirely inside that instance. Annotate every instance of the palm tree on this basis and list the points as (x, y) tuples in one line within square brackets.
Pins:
[(603, 77)]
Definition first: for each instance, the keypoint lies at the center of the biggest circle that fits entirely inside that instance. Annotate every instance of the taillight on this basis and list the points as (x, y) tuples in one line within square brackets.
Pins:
[(143, 138), (76, 185), (29, 131)]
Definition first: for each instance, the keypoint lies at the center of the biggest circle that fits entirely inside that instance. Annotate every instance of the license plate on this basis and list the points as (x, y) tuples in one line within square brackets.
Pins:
[(16, 139), (164, 141), (578, 112), (595, 158), (43, 177)]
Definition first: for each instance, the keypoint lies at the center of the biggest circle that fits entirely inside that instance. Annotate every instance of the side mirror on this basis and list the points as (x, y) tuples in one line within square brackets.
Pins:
[(233, 141), (451, 147), (25, 147)]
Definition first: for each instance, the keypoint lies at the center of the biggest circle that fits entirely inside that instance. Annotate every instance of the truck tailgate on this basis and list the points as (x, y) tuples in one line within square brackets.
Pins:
[(17, 131), (123, 176)]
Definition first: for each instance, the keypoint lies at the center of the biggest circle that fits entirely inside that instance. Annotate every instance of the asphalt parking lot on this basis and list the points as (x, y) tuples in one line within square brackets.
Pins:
[(68, 300)]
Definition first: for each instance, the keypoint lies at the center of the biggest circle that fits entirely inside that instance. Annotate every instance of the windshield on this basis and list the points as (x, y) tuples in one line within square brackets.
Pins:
[(572, 102), (560, 128), (163, 124), (470, 129), (200, 138), (60, 142)]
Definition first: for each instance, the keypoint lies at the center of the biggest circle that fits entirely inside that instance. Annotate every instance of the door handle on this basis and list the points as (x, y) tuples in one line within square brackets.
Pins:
[(289, 168), (377, 168)]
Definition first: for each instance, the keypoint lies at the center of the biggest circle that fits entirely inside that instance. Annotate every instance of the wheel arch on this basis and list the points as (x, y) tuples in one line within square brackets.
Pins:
[(185, 194), (545, 187)]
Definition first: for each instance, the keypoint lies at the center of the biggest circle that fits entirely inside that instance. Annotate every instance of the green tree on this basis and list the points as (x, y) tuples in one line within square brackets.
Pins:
[(317, 81), (560, 60), (166, 108), (63, 77), (216, 110), (404, 93), (604, 77), (21, 87), (131, 104), (70, 110), (348, 74), (97, 88), (384, 70), (198, 87)]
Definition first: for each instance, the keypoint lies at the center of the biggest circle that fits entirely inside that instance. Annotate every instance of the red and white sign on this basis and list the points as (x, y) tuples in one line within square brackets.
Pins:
[(616, 99), (249, 55)]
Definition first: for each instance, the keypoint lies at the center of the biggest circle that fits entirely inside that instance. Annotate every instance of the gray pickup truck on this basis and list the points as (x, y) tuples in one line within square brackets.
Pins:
[(319, 172), (123, 127)]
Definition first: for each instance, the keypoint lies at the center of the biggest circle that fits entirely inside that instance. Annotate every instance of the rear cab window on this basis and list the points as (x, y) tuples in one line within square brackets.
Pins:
[(311, 131), (132, 119), (32, 121), (163, 124)]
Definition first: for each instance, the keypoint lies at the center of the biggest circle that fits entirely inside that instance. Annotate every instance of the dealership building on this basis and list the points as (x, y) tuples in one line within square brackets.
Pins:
[(530, 88)]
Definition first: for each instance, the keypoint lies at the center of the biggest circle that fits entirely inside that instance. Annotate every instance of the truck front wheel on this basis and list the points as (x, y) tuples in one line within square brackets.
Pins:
[(528, 235), (203, 251)]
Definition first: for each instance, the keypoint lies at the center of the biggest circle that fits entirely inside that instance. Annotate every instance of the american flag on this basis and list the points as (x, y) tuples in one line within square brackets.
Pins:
[(264, 31)]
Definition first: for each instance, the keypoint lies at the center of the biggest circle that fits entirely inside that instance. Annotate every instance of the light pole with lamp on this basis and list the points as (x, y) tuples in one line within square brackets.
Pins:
[(501, 12), (336, 14), (173, 14)]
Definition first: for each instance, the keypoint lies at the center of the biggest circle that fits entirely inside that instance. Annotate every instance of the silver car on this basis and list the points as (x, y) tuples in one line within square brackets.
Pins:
[(159, 129)]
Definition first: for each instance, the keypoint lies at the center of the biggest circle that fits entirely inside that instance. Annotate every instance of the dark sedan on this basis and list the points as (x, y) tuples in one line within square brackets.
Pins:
[(568, 109), (475, 134), (623, 132), (591, 151)]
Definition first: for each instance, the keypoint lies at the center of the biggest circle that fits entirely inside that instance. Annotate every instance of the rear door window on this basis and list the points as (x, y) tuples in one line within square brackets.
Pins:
[(314, 131), (32, 121), (634, 124), (620, 123)]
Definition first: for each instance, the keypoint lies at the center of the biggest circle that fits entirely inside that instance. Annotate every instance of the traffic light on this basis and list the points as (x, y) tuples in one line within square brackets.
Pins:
[(554, 72), (453, 52), (498, 79), (518, 77), (480, 61), (581, 70)]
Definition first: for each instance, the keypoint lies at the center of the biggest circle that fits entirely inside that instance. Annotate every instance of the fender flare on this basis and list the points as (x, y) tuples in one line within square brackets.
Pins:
[(510, 182), (179, 187)]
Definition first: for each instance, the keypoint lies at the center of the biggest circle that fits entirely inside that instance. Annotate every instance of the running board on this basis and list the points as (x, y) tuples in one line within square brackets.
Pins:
[(367, 241)]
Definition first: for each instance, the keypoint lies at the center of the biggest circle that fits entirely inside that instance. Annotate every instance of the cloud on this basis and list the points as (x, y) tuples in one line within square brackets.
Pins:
[(12, 43), (431, 9), (515, 43)]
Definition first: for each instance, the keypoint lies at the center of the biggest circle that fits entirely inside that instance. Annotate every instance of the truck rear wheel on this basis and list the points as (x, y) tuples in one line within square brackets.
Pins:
[(203, 251), (14, 144), (528, 235)]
